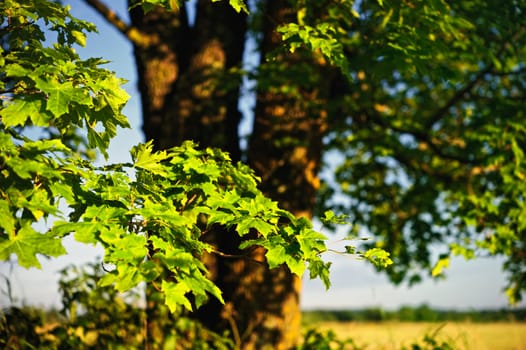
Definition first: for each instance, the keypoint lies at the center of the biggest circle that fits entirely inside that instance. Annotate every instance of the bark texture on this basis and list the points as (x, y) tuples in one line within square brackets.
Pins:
[(184, 75)]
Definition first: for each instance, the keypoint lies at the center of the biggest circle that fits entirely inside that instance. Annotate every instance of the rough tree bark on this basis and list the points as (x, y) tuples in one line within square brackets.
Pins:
[(285, 150)]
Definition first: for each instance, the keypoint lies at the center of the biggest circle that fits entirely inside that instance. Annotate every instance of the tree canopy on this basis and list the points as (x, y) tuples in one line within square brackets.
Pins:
[(433, 132)]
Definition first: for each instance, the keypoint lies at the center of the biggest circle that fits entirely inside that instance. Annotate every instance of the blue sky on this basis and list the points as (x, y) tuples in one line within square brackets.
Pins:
[(474, 284)]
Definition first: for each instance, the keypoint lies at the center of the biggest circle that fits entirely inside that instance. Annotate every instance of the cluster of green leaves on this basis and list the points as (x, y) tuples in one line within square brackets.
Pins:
[(326, 340), (428, 125), (151, 226), (46, 86), (18, 328), (47, 91), (320, 38), (93, 316)]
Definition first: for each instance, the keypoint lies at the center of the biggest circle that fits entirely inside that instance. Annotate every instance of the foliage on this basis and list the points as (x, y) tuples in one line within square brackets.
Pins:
[(89, 313), (431, 342), (425, 125), (92, 318), (18, 328), (97, 317), (149, 215), (104, 317), (325, 340), (428, 127)]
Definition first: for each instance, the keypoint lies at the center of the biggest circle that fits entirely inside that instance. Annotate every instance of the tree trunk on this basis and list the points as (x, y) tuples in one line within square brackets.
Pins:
[(183, 72), (285, 151), (187, 89)]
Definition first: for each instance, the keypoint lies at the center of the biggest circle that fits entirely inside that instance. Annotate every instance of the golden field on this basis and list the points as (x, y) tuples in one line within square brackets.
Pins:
[(461, 335)]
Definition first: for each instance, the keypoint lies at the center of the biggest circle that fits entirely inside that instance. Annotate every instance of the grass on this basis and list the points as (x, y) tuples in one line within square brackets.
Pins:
[(462, 335)]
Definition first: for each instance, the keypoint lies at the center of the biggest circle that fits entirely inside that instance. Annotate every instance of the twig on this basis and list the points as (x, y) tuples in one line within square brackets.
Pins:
[(236, 256), (441, 112), (137, 37)]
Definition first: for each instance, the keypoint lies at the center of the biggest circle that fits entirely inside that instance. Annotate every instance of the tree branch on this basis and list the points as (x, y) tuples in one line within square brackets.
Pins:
[(463, 171), (130, 32), (442, 111), (421, 137)]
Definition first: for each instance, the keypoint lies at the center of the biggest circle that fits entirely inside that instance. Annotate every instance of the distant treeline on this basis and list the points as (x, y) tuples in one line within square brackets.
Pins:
[(422, 313)]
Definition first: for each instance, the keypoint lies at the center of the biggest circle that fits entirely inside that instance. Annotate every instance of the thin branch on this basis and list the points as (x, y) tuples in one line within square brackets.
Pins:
[(236, 256), (419, 136), (463, 171), (109, 15), (132, 33), (442, 111), (519, 71)]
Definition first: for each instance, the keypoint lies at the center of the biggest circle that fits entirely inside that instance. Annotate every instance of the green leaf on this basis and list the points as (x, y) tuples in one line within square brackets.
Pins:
[(80, 37), (329, 217), (98, 140), (150, 270), (16, 70), (27, 243), (311, 242), (45, 146), (144, 158), (129, 247), (175, 295), (442, 263), (466, 252), (114, 95), (19, 110), (261, 226), (275, 256), (379, 257), (84, 232), (239, 5), (8, 220), (40, 204), (295, 265), (60, 95), (108, 236), (108, 279), (219, 217), (26, 168), (318, 268), (252, 242), (128, 277), (350, 249)]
